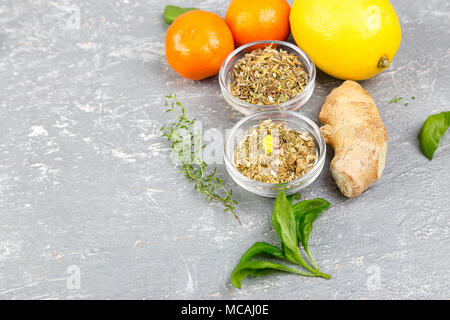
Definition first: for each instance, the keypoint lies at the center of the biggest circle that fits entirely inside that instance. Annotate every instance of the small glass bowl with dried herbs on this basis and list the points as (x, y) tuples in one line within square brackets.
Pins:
[(267, 75), (272, 150)]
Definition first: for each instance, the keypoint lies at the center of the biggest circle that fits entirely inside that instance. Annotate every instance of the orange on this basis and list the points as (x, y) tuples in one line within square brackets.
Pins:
[(253, 20), (197, 42)]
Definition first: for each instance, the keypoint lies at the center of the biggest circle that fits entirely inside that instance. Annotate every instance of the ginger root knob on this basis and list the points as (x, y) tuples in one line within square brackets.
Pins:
[(353, 127)]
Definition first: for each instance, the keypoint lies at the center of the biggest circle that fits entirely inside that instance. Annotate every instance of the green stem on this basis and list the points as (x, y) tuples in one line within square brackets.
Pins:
[(306, 274), (299, 260), (312, 260), (212, 195), (323, 275)]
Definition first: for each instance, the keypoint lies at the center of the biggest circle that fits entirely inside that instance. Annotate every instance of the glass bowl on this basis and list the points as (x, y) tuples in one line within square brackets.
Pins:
[(226, 69), (293, 120)]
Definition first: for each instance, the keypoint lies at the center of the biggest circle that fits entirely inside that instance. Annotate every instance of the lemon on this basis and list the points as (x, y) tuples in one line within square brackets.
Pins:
[(348, 39)]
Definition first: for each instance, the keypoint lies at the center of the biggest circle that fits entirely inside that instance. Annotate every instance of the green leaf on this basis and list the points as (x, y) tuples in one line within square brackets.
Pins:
[(305, 225), (306, 212), (261, 248), (244, 269), (172, 12), (283, 221), (432, 131), (293, 197), (304, 206), (257, 268)]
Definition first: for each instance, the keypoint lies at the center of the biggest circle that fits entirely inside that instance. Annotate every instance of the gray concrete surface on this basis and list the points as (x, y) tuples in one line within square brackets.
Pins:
[(86, 181)]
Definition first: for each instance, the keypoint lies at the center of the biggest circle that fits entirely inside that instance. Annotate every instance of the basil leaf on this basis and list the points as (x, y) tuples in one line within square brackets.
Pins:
[(304, 206), (256, 268), (172, 12), (306, 212), (283, 221), (432, 131), (261, 248), (301, 209), (296, 196), (305, 226)]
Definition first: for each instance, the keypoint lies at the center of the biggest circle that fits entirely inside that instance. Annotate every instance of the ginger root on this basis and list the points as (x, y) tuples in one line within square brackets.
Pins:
[(353, 127)]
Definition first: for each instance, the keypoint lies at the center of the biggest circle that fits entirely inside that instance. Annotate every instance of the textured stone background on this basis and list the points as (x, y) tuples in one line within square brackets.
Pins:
[(85, 178)]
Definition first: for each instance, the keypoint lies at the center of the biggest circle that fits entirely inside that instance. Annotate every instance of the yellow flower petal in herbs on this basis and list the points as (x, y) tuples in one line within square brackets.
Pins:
[(267, 144)]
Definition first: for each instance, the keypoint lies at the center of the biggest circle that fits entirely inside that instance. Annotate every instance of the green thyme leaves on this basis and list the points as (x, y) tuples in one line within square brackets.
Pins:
[(293, 224), (186, 151), (396, 99), (432, 131), (400, 100)]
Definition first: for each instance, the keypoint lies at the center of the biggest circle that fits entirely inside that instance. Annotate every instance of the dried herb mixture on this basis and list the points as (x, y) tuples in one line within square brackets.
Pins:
[(273, 153), (268, 77)]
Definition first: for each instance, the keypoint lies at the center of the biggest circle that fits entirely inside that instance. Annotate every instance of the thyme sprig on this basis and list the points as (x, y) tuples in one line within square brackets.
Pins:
[(189, 156)]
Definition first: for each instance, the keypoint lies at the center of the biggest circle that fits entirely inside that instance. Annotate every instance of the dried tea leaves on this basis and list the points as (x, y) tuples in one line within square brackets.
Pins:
[(268, 77), (273, 153)]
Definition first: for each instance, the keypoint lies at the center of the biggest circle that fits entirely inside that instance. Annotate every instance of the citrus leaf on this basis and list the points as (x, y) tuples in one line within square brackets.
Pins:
[(172, 12)]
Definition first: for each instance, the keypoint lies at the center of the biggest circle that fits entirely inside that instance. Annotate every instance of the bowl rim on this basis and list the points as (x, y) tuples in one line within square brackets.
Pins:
[(284, 105), (265, 185)]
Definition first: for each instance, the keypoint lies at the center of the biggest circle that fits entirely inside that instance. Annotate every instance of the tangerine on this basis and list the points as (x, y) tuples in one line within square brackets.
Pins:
[(196, 44), (253, 20)]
